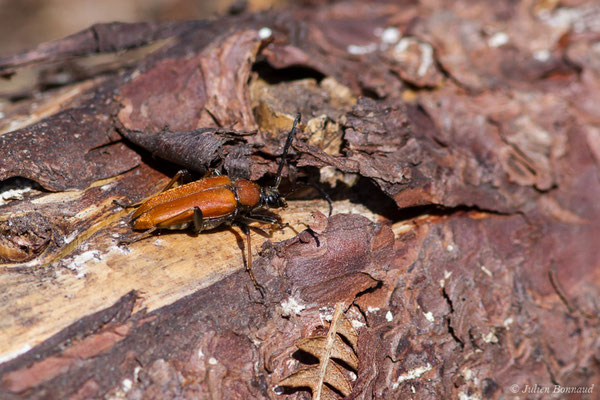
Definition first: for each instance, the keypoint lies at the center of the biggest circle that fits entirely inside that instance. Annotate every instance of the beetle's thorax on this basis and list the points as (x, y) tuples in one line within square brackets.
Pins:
[(247, 193)]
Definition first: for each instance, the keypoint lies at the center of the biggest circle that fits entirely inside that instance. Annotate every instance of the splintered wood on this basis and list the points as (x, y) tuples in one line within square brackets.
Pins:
[(459, 140), (98, 271)]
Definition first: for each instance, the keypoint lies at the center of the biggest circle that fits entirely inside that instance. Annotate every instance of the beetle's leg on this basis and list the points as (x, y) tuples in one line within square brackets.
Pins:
[(138, 237), (179, 177), (125, 205), (268, 219), (216, 170), (246, 231), (198, 220), (212, 172)]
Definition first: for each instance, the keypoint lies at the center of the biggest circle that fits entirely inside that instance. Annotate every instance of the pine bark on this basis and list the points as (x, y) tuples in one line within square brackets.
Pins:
[(460, 144)]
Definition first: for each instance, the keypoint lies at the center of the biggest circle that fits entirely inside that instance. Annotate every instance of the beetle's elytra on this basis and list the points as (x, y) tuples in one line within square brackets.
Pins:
[(212, 201), (217, 198)]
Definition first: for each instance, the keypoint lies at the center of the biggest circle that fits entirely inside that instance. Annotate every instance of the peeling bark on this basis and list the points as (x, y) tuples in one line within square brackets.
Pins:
[(460, 144)]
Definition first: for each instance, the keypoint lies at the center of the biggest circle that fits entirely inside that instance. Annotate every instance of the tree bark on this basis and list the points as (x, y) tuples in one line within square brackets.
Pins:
[(460, 144)]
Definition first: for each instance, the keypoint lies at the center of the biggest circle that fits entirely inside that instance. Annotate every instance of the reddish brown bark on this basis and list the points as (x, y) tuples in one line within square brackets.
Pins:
[(474, 138)]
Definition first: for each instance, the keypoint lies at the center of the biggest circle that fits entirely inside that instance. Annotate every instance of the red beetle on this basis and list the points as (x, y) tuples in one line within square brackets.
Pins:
[(212, 201)]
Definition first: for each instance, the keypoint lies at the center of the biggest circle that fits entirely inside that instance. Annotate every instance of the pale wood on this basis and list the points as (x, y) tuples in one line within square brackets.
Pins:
[(163, 268)]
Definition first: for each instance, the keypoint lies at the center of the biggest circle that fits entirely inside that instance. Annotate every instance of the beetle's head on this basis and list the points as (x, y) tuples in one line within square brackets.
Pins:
[(271, 198)]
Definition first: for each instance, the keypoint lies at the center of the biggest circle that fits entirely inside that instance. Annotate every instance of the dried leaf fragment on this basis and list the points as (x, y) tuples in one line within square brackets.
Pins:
[(317, 347), (326, 348)]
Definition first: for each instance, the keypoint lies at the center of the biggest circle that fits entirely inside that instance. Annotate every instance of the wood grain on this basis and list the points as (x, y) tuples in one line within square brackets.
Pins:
[(40, 300)]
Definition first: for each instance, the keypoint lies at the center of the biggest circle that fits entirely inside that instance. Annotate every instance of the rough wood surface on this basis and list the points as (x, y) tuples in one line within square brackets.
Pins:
[(461, 145)]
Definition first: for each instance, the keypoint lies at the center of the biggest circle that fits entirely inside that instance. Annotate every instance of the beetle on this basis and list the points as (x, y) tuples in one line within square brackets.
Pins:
[(213, 201)]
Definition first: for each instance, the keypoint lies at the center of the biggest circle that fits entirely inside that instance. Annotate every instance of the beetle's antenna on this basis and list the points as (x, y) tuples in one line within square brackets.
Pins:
[(288, 143)]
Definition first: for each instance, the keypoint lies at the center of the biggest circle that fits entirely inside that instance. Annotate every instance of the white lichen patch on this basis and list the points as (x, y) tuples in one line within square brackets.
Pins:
[(291, 306), (356, 318), (425, 52), (429, 316), (508, 322), (212, 361), (356, 324), (578, 19), (426, 58), (498, 39), (291, 364), (447, 274), (265, 32), (389, 316), (390, 35), (372, 309), (412, 374), (361, 49), (326, 314), (120, 249), (490, 337), (467, 373), (79, 263), (542, 55), (126, 385), (108, 186), (487, 271)]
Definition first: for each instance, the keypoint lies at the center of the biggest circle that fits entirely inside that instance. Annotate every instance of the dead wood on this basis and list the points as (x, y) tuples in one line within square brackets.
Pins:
[(460, 143)]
